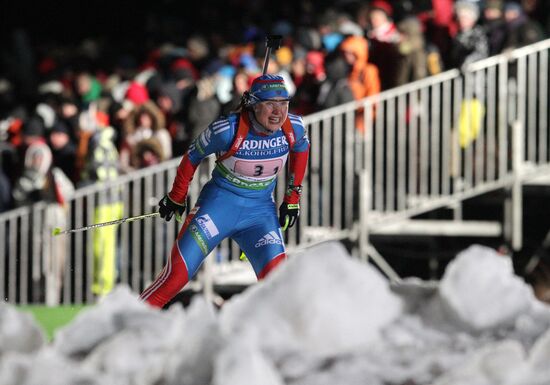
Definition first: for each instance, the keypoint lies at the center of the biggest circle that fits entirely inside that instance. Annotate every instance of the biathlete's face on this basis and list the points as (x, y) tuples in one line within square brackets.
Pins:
[(271, 113)]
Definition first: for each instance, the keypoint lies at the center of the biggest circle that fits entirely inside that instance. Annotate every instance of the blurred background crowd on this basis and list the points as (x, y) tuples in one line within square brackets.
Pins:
[(91, 91)]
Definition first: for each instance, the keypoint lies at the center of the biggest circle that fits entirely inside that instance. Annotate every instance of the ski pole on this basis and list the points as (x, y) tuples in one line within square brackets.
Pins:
[(58, 231), (271, 41)]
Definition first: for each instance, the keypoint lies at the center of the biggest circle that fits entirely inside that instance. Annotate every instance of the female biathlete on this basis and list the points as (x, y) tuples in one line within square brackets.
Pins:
[(252, 147)]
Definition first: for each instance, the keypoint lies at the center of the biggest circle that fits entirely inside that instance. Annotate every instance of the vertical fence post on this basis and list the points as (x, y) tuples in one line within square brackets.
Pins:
[(365, 183), (517, 187), (364, 197)]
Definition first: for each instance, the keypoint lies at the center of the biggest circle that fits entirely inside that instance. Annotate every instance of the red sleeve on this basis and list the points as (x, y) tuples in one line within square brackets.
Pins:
[(184, 176), (297, 165)]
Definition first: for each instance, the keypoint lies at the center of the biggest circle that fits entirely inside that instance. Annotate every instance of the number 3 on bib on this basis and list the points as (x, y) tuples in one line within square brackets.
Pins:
[(258, 170), (264, 169)]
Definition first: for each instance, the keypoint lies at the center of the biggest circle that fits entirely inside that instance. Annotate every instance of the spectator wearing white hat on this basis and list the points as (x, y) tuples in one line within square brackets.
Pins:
[(470, 43)]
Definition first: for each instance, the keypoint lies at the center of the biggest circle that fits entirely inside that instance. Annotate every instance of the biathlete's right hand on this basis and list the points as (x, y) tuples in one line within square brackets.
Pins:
[(167, 208)]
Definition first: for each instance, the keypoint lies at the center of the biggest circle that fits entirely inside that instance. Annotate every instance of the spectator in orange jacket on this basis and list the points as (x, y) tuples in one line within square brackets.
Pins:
[(363, 79)]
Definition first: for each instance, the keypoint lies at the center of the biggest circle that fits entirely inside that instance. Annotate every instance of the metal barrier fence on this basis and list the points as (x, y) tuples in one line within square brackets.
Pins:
[(425, 145), (442, 140)]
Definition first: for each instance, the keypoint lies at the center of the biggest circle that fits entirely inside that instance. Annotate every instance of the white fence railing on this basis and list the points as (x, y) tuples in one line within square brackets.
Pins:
[(426, 145)]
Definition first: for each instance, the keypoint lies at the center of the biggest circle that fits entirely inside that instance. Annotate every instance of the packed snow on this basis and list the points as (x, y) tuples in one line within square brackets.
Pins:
[(323, 318)]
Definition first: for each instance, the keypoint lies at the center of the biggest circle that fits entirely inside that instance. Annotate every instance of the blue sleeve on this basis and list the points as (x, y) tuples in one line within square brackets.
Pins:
[(217, 137), (302, 141)]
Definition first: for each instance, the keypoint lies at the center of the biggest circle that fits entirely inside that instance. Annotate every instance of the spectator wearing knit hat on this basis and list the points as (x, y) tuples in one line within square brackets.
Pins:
[(470, 43), (412, 49), (8, 162), (521, 30), (88, 88), (35, 182), (137, 94), (169, 100), (307, 92), (495, 26), (439, 27), (63, 149), (384, 38), (335, 89), (381, 26), (5, 191)]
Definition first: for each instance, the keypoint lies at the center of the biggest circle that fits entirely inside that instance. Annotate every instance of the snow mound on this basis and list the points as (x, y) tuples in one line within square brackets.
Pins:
[(322, 302), (242, 362), (48, 367), (322, 318), (479, 287), (18, 331), (115, 312)]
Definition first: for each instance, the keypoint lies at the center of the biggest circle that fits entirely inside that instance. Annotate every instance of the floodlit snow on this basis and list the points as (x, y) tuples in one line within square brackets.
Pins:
[(18, 331), (322, 318), (484, 294)]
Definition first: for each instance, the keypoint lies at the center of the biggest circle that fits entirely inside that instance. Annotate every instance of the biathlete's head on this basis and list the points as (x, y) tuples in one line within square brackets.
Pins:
[(268, 99)]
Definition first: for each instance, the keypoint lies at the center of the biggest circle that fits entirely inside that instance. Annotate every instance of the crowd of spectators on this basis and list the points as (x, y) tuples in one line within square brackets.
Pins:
[(72, 115)]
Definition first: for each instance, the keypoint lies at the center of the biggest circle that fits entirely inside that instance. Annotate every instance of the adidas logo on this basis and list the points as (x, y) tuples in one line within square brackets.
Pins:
[(271, 238)]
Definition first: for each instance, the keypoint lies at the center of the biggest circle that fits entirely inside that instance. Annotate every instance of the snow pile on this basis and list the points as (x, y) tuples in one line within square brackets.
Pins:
[(18, 331), (322, 303), (322, 318), (482, 292), (48, 367)]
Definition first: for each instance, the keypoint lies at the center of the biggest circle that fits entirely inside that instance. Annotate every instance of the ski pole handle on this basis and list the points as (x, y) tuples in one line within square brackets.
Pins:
[(58, 231), (271, 41)]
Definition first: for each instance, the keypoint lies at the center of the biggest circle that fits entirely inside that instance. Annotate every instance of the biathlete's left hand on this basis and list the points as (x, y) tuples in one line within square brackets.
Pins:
[(288, 214)]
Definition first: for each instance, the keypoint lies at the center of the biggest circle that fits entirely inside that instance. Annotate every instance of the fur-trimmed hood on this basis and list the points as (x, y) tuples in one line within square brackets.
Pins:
[(131, 123)]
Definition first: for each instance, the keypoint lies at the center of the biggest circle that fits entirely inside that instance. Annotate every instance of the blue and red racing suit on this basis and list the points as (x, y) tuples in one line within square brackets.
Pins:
[(237, 202)]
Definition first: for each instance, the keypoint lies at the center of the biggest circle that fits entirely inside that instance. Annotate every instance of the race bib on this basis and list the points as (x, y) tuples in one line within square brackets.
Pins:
[(258, 168)]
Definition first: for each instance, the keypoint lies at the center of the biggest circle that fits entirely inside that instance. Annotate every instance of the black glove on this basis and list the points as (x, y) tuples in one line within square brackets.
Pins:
[(167, 208), (288, 214)]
